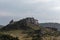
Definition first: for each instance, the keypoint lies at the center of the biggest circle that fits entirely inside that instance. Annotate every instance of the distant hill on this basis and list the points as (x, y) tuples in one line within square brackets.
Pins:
[(53, 25), (1, 26)]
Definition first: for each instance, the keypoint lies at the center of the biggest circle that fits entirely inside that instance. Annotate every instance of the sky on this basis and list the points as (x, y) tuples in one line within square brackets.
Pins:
[(42, 10)]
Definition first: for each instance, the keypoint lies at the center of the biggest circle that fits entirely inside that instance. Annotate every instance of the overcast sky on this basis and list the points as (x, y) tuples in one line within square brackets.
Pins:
[(43, 10)]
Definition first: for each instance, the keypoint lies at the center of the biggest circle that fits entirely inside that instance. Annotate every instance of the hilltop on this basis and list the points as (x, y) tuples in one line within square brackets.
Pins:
[(24, 24)]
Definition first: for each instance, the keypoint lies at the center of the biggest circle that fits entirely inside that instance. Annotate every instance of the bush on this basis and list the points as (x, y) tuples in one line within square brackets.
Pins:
[(8, 37)]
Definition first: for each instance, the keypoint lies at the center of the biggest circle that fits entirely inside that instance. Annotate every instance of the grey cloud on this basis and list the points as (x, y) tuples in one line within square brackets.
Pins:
[(22, 8)]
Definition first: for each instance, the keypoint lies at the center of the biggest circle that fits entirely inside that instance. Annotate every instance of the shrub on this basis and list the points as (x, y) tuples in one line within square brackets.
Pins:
[(8, 37)]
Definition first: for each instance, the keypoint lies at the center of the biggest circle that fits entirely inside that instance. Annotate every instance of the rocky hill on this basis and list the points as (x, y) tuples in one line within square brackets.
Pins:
[(30, 29), (24, 24)]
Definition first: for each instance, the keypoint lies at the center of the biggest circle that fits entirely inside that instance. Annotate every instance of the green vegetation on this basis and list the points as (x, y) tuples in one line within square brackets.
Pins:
[(7, 37)]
